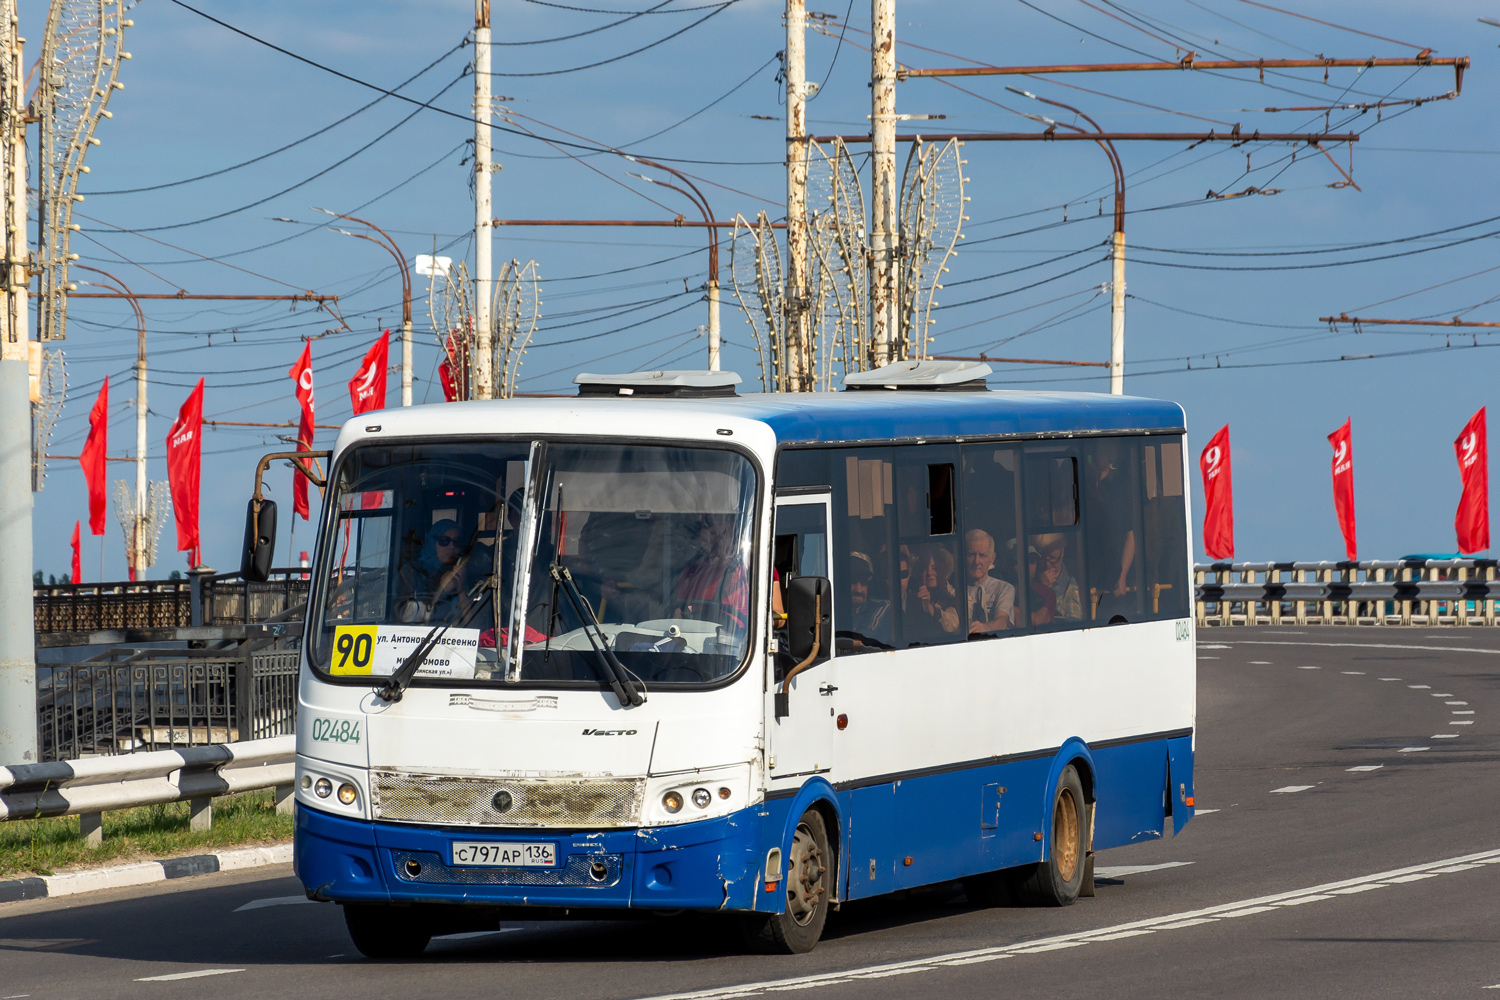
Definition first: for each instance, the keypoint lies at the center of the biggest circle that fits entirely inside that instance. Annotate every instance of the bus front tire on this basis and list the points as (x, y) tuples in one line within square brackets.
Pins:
[(387, 931), (1057, 880), (807, 881)]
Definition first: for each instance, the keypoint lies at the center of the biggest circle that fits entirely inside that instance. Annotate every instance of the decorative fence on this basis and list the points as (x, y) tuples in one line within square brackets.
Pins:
[(1408, 592), (161, 699), (202, 599)]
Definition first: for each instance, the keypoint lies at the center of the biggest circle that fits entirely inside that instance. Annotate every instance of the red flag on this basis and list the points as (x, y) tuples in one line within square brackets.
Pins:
[(77, 574), (1473, 519), (184, 469), (302, 373), (1343, 485), (1218, 497), (93, 456), (367, 387)]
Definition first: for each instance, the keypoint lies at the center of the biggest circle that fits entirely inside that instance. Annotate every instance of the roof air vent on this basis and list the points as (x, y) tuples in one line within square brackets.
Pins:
[(682, 385), (931, 376)]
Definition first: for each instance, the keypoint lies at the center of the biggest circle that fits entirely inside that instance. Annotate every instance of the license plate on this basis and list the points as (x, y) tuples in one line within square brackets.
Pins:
[(492, 855)]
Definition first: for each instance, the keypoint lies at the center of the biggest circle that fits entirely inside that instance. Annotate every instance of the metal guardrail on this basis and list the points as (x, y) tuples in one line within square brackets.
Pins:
[(93, 785), (68, 613), (156, 699), (1403, 592)]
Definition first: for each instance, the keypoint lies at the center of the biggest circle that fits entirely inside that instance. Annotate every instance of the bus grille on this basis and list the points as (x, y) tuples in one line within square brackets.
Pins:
[(550, 802)]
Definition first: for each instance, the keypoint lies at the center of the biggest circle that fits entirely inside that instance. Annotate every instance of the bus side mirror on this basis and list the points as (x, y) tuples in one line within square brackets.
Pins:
[(809, 617), (260, 540)]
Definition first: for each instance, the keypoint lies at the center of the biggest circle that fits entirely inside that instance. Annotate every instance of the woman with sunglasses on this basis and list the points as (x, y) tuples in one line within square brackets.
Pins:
[(436, 584)]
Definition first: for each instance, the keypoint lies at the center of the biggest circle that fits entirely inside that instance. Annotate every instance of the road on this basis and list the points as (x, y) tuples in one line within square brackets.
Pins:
[(1348, 843)]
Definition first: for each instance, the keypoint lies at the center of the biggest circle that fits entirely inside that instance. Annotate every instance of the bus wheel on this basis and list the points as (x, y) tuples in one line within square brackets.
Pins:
[(807, 881), (386, 931), (1057, 880)]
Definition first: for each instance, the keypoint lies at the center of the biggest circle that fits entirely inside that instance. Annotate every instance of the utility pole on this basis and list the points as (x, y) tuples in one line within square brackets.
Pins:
[(798, 359), (17, 627), (484, 387), (884, 229)]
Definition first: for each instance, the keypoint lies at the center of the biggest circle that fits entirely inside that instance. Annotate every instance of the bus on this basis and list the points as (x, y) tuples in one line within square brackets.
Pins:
[(665, 647)]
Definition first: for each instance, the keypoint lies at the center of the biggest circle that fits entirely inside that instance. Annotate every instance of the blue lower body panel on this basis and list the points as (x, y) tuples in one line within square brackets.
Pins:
[(708, 865)]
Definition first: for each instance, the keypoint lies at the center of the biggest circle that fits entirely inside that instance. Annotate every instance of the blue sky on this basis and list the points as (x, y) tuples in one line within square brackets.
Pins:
[(1230, 329)]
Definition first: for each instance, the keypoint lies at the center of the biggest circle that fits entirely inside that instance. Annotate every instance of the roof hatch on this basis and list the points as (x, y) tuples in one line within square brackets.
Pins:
[(930, 376), (682, 384)]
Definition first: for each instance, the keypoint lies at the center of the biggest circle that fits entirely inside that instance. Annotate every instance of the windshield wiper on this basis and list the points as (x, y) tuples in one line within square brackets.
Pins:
[(401, 677), (610, 669)]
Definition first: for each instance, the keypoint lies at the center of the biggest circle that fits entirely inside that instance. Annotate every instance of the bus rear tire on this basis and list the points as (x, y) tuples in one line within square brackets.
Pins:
[(387, 931), (796, 930), (1057, 880)]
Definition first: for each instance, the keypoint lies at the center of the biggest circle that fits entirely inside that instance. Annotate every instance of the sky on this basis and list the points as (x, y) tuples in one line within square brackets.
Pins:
[(1225, 293)]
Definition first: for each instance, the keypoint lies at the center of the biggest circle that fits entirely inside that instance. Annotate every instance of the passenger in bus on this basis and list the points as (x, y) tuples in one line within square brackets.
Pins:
[(932, 608), (870, 617), (990, 599), (1054, 590), (713, 585), (436, 584)]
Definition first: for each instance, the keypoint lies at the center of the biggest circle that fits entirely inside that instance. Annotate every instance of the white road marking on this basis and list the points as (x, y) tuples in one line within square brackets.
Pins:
[(1260, 663), (1120, 871), (1442, 694), (1420, 687), (1390, 678), (1122, 934), (1201, 657), (1173, 921), (1450, 702), (1210, 646), (1413, 749), (1203, 812), (1289, 789), (1313, 898), (1460, 722), (1443, 736), (1417, 877), (1495, 987), (1457, 868), (465, 935), (1463, 711), (1353, 673), (1365, 645), (1309, 668), (187, 975), (257, 904), (1365, 767)]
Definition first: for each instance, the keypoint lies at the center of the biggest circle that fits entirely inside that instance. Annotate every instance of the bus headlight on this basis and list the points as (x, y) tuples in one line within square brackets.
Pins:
[(713, 792), (701, 798), (323, 788), (347, 794), (672, 802)]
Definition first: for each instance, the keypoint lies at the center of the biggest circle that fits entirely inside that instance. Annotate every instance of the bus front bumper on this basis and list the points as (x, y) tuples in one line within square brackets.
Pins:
[(707, 865)]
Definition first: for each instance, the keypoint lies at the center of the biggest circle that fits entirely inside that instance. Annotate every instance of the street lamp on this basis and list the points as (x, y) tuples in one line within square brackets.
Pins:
[(700, 203), (390, 246), (1117, 252)]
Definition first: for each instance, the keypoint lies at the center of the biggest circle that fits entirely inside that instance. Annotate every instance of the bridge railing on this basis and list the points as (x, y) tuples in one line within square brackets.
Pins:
[(201, 599), (1408, 592)]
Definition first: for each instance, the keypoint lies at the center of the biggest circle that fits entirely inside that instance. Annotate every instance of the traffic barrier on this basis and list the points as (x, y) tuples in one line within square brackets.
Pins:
[(93, 785), (1403, 592)]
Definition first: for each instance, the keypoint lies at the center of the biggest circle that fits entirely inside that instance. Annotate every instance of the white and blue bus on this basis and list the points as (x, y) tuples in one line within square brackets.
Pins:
[(663, 647)]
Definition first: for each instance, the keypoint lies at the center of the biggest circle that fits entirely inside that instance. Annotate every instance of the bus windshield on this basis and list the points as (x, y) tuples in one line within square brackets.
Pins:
[(656, 541)]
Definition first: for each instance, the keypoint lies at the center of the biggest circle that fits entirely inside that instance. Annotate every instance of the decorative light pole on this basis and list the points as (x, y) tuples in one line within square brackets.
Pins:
[(389, 245)]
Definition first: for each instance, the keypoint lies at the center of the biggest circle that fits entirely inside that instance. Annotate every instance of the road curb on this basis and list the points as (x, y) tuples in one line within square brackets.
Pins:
[(142, 873)]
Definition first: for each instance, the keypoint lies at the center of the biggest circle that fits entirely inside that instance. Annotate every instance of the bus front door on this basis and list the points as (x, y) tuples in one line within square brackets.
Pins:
[(802, 723)]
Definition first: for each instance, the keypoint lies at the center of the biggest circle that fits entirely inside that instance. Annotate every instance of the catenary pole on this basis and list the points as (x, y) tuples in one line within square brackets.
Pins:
[(17, 628), (483, 232), (797, 360), (884, 235)]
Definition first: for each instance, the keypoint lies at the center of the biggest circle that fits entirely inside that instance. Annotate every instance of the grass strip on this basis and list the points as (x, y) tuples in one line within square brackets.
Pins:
[(44, 846)]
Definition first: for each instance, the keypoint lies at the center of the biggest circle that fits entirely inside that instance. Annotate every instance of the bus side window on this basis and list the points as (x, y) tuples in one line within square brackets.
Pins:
[(1054, 558), (866, 594), (926, 505), (1113, 537), (1165, 591), (992, 559)]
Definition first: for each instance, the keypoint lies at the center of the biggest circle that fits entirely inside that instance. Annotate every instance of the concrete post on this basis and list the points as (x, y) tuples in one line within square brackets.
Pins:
[(406, 361), (200, 814), (798, 356), (91, 828), (17, 629), (1117, 318), (884, 230), (714, 342)]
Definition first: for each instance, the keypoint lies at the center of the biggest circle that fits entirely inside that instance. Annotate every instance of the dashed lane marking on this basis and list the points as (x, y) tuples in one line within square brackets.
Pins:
[(1420, 687), (1289, 789), (1203, 812), (258, 904), (1309, 668), (1353, 673), (1443, 736), (1260, 663), (1442, 694), (187, 975), (1450, 702), (1365, 767), (1460, 722), (1463, 711), (1120, 871), (1413, 749), (1390, 678), (1172, 921)]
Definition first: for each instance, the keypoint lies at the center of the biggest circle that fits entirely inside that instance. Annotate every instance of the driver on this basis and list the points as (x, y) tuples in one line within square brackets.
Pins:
[(716, 575), (436, 584)]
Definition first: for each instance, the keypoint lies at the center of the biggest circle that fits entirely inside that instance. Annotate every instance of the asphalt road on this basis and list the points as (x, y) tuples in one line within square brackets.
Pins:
[(1353, 849)]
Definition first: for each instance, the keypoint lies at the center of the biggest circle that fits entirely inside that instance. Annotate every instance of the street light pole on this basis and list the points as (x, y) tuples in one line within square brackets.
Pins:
[(389, 245), (484, 387), (1117, 245), (701, 204)]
